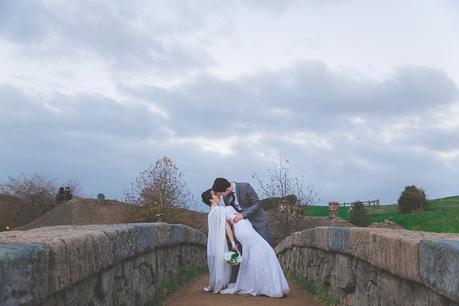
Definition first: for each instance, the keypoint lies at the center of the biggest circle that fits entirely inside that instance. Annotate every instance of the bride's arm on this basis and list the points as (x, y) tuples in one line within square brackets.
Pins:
[(229, 233)]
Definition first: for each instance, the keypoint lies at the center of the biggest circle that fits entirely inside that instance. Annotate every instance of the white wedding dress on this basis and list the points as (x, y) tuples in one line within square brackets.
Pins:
[(260, 272), (219, 270)]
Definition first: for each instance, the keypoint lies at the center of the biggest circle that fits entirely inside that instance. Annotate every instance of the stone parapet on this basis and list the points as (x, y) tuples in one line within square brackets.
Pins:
[(88, 264), (428, 259)]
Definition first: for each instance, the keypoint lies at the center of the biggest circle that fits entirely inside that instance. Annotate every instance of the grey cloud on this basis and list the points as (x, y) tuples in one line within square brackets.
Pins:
[(75, 114), (430, 137), (22, 20), (105, 137), (313, 88), (116, 32), (364, 168), (112, 143), (90, 138), (105, 143), (308, 96)]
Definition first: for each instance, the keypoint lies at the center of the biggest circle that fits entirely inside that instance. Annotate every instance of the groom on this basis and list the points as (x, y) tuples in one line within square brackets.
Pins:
[(245, 201)]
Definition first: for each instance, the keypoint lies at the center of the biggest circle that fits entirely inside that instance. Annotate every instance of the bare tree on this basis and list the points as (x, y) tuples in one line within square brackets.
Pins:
[(37, 190), (288, 193), (75, 187), (159, 189), (37, 193)]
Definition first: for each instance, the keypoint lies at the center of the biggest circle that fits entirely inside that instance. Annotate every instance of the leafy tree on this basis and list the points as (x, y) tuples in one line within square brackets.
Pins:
[(159, 189), (412, 198), (358, 215)]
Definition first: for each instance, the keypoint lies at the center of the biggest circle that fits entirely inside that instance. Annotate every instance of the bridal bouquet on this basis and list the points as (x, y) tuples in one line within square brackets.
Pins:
[(233, 258)]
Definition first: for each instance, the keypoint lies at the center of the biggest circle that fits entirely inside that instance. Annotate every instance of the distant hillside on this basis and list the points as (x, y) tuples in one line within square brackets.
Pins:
[(86, 211), (441, 216)]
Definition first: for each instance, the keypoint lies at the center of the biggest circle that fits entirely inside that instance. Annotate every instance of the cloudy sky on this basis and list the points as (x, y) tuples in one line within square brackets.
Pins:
[(361, 96)]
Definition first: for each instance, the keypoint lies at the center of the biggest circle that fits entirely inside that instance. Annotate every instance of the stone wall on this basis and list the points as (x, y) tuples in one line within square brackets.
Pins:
[(371, 266), (119, 264)]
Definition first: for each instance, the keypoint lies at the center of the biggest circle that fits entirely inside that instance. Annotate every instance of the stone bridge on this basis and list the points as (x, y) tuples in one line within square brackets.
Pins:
[(369, 266), (125, 264), (120, 264)]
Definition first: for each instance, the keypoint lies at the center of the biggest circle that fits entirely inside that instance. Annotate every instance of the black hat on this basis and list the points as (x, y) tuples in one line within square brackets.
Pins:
[(220, 184)]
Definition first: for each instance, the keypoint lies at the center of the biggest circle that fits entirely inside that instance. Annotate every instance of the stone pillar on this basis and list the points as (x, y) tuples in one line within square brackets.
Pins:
[(333, 210)]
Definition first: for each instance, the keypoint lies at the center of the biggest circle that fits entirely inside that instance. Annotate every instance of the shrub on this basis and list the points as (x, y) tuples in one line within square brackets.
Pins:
[(412, 198), (358, 215)]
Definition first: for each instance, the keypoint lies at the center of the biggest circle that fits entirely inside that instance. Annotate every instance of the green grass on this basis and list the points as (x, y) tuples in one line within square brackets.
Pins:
[(172, 285), (319, 290), (322, 211), (441, 216)]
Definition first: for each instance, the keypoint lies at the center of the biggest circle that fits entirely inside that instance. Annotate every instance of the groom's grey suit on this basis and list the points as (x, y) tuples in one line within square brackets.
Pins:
[(250, 208)]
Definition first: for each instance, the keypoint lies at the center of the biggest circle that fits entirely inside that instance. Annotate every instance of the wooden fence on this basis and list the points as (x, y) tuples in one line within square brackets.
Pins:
[(365, 203)]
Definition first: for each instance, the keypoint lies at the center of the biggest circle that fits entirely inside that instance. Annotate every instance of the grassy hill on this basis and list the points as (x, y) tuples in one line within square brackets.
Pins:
[(79, 211), (85, 211), (442, 216)]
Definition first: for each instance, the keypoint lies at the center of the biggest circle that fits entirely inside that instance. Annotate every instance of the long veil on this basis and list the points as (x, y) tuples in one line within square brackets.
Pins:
[(219, 270)]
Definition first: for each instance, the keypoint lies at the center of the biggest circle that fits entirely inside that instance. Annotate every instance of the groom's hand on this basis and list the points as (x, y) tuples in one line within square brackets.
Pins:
[(234, 246), (238, 218)]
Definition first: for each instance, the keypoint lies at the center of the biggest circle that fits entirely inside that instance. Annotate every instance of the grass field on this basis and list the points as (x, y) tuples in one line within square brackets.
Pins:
[(442, 215)]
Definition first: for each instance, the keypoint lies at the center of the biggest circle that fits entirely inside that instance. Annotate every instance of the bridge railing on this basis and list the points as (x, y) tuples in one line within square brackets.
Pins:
[(369, 266), (119, 264)]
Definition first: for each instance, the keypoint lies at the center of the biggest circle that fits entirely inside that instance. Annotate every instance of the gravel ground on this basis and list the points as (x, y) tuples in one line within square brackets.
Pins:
[(193, 295)]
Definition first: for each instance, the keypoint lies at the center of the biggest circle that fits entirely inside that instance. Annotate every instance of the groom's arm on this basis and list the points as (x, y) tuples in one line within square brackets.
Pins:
[(229, 234), (254, 201)]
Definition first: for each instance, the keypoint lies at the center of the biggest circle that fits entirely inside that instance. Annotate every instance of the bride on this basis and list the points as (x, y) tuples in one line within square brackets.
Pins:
[(219, 270), (260, 272)]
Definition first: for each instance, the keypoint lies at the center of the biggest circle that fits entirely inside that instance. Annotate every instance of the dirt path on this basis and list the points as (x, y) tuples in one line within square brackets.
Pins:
[(193, 295)]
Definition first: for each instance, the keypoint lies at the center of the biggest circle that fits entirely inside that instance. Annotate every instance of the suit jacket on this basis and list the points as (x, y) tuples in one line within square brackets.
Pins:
[(250, 205)]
